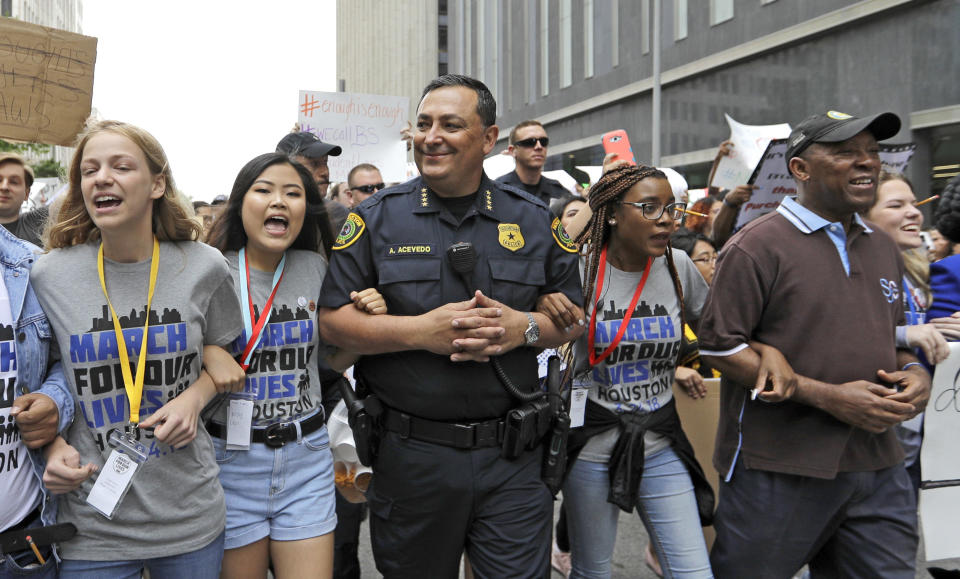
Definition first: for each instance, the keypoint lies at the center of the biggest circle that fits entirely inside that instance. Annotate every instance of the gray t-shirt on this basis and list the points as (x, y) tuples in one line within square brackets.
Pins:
[(175, 504), (283, 373), (638, 375)]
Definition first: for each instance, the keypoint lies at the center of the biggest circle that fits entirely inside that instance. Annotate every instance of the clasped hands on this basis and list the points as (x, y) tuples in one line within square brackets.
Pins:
[(473, 330)]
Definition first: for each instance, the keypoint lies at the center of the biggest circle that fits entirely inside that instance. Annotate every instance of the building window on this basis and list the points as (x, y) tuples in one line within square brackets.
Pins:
[(587, 38), (566, 43), (679, 19), (544, 47), (720, 11), (467, 37)]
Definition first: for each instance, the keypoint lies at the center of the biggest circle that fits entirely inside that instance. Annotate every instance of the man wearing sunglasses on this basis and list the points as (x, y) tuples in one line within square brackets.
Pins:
[(363, 181), (528, 146)]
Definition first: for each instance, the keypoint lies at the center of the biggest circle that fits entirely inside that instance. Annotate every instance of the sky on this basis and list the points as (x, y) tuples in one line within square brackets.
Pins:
[(215, 81)]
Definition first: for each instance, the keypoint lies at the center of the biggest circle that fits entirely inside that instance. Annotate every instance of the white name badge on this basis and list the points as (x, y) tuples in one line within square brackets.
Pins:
[(578, 406), (239, 424), (113, 482)]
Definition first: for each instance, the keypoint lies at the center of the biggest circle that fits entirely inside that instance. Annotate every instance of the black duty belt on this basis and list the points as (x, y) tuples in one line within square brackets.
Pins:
[(457, 435), (275, 435)]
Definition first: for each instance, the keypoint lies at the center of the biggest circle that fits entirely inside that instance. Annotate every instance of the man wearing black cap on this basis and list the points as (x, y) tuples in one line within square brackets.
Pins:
[(312, 153), (813, 472)]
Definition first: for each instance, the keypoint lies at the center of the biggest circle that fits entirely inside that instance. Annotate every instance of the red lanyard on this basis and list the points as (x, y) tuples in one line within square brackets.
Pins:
[(254, 332), (594, 359)]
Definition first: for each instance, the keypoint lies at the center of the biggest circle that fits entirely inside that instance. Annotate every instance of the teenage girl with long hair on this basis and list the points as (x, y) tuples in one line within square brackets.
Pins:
[(140, 311)]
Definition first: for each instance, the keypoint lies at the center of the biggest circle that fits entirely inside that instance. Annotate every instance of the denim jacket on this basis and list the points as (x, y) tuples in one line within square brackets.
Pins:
[(35, 372)]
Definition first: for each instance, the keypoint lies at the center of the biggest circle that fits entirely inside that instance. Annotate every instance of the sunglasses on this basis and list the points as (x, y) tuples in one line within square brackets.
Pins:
[(369, 188), (532, 142)]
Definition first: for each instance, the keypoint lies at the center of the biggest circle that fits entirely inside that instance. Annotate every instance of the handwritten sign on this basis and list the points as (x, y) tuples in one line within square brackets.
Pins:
[(46, 82), (366, 126), (940, 462), (772, 180), (749, 144)]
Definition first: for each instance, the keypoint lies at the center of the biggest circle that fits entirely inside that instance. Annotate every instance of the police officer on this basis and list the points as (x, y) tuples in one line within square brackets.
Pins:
[(528, 147), (440, 483)]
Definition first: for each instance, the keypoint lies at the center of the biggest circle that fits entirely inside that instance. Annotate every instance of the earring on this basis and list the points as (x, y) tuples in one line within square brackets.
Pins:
[(612, 222)]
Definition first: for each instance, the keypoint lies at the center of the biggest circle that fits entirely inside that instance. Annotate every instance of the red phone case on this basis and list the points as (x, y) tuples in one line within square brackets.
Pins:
[(617, 142)]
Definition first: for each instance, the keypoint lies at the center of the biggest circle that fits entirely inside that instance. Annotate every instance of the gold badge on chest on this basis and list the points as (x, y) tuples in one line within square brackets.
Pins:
[(510, 236)]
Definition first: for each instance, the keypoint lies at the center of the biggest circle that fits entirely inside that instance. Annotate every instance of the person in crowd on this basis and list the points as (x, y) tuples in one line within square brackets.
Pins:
[(141, 327), (813, 457), (440, 485), (722, 224), (16, 179), (630, 416), (308, 150), (528, 147), (945, 273), (207, 214), (895, 213), (942, 247), (43, 407), (699, 249), (275, 236), (363, 181), (695, 221)]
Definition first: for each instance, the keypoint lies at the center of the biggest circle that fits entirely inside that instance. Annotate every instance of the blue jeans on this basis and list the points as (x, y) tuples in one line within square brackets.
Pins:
[(204, 563), (666, 505)]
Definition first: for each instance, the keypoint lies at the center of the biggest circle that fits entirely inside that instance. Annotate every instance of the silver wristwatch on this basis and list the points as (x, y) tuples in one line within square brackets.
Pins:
[(532, 334)]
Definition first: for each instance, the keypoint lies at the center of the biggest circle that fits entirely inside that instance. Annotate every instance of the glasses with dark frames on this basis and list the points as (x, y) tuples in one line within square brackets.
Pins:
[(654, 211), (532, 142)]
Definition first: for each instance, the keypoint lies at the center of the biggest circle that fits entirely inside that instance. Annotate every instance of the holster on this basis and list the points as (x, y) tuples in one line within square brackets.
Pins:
[(363, 418), (555, 451)]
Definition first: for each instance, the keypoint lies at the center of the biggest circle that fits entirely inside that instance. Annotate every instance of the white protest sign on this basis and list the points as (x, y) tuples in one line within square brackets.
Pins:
[(366, 126), (772, 181), (940, 462), (496, 166), (749, 144)]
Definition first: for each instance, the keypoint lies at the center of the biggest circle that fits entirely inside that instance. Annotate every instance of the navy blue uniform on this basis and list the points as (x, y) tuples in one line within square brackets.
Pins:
[(546, 190), (396, 241), (428, 502)]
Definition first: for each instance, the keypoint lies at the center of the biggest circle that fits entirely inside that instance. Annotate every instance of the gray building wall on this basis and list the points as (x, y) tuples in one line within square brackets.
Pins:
[(388, 48), (772, 63)]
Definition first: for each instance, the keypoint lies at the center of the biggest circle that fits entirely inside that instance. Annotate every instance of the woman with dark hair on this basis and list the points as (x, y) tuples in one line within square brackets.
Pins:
[(124, 257), (701, 250), (944, 312), (630, 417), (275, 237)]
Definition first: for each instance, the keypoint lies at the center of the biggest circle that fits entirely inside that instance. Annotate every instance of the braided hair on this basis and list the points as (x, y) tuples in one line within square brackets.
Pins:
[(604, 197)]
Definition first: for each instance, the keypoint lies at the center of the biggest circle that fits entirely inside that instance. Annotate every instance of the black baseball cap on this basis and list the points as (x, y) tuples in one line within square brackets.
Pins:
[(836, 127), (307, 145)]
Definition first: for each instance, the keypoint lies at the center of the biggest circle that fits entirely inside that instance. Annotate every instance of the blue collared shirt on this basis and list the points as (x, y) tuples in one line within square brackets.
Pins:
[(808, 222)]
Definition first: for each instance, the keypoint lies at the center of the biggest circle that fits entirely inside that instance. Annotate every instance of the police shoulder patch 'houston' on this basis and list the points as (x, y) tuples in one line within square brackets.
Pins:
[(561, 237), (352, 229)]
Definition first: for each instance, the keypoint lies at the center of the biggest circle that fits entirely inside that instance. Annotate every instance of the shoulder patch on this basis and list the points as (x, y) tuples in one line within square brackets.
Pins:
[(353, 228), (561, 237)]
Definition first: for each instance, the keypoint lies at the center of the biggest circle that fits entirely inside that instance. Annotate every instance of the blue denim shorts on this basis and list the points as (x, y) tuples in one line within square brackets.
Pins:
[(284, 493)]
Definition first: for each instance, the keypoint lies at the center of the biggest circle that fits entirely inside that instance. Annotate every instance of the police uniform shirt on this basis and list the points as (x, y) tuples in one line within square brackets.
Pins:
[(396, 241), (546, 190)]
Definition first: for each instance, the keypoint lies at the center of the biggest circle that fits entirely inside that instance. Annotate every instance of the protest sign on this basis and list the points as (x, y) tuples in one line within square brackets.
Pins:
[(772, 181), (366, 126), (940, 462), (46, 82), (749, 144)]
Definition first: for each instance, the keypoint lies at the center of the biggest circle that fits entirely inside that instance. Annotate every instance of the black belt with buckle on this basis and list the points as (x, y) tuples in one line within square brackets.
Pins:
[(275, 435), (457, 435)]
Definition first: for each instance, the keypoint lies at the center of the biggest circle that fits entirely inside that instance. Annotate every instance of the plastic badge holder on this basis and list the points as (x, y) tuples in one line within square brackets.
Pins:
[(117, 473), (240, 420)]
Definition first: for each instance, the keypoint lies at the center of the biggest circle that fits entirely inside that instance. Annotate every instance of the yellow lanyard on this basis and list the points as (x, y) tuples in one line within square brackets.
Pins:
[(134, 388)]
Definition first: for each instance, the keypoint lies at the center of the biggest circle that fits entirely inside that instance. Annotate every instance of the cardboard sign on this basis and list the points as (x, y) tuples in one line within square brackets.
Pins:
[(772, 181), (940, 462), (749, 144), (366, 126), (46, 85)]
